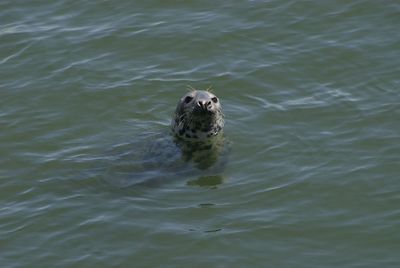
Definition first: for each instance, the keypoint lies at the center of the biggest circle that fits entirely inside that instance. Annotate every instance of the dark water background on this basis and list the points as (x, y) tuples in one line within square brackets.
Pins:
[(310, 90)]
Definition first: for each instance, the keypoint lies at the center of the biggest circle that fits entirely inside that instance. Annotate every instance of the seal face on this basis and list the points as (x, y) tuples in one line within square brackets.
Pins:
[(198, 116)]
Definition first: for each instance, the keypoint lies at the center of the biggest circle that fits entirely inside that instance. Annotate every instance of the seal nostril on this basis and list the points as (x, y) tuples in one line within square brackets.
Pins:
[(208, 103)]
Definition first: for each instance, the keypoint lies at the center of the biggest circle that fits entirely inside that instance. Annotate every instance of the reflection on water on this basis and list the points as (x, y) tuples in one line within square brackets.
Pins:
[(207, 181)]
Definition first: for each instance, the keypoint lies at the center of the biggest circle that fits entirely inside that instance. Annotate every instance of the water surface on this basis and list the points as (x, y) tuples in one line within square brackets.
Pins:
[(310, 91)]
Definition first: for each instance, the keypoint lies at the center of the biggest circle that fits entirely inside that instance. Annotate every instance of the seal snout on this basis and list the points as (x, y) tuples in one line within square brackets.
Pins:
[(203, 105)]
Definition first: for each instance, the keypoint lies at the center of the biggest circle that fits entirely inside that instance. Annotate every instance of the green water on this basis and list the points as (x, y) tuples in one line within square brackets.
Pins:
[(310, 92)]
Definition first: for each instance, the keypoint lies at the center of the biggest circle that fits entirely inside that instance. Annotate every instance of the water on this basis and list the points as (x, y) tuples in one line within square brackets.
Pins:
[(310, 90)]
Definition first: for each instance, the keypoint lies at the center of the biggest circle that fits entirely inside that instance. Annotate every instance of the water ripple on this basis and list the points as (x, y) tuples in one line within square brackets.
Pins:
[(310, 95)]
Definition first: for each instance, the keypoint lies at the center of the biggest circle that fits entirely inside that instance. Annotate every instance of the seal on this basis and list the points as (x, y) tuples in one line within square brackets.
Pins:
[(194, 146), (197, 127), (198, 116)]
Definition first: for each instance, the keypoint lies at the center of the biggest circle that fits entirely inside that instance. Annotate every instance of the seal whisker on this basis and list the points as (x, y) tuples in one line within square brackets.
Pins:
[(190, 88)]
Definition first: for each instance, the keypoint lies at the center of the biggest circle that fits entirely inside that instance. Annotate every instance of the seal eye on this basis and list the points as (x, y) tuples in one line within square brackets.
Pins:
[(214, 99), (188, 99)]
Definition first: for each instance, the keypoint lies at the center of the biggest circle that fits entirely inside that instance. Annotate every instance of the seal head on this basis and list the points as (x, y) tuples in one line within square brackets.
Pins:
[(198, 116)]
